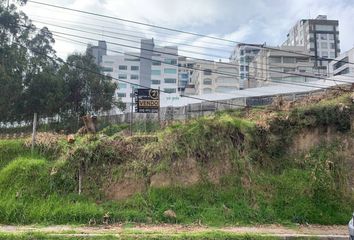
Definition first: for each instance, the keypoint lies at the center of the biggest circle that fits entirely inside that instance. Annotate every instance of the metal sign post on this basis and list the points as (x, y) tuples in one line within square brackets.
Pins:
[(131, 112), (159, 113)]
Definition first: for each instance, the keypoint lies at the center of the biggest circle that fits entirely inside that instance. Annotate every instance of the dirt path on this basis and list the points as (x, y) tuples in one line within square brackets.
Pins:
[(326, 232)]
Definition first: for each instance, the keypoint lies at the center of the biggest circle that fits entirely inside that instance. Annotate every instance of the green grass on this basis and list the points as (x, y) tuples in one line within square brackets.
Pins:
[(30, 193), (11, 149), (281, 188), (135, 235)]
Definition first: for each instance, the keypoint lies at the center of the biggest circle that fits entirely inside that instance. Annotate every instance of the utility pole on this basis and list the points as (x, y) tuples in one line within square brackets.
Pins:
[(158, 112), (34, 131), (131, 112)]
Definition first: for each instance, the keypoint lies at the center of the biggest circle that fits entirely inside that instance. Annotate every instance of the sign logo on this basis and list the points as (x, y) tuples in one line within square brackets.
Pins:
[(154, 94), (147, 100)]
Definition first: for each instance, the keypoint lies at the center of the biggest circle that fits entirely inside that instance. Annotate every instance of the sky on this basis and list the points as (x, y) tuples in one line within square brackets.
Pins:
[(252, 21)]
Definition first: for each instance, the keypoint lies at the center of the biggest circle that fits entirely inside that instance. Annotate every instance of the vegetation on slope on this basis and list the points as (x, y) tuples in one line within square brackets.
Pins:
[(265, 182)]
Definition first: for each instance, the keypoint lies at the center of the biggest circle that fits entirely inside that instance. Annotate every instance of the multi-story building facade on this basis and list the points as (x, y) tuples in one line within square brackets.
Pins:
[(319, 36), (343, 65), (215, 77), (97, 51), (280, 64), (154, 67), (242, 56), (185, 72), (125, 68)]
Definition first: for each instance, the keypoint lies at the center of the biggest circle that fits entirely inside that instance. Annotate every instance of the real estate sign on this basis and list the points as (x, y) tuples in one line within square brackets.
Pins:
[(147, 100)]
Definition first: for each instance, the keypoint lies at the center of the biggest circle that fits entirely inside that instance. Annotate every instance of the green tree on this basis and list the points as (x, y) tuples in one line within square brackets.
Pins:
[(86, 90), (27, 74)]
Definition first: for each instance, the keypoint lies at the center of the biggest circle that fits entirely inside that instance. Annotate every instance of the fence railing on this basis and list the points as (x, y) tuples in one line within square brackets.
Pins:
[(15, 135), (196, 110)]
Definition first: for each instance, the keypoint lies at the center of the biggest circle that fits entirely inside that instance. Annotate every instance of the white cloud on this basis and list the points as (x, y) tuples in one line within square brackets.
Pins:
[(238, 20)]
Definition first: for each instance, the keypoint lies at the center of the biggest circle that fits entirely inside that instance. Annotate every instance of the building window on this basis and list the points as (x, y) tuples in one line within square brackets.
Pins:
[(288, 60), (122, 76), (241, 52), (340, 63), (170, 80), (123, 67), (155, 82), (132, 59), (332, 54), (331, 36), (121, 95), (333, 45), (122, 85), (183, 75), (134, 77), (323, 36), (324, 45), (107, 69), (324, 28), (171, 61), (344, 71), (134, 68), (108, 62), (207, 72), (242, 68), (170, 70), (325, 54), (207, 81), (170, 90), (156, 63), (155, 72), (289, 70), (275, 59)]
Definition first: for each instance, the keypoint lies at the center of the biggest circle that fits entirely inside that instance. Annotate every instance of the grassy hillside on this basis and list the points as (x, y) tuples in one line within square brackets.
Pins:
[(231, 168)]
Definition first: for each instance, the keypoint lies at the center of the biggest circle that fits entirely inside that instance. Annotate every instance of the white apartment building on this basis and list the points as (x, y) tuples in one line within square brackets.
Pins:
[(342, 65), (242, 56), (125, 68), (319, 36), (164, 69), (154, 67), (277, 64), (215, 77)]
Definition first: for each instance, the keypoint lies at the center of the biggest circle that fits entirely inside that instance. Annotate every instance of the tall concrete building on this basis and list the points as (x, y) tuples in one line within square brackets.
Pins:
[(125, 68), (158, 66), (342, 65), (319, 36), (242, 56), (282, 64), (97, 51), (152, 67), (214, 77)]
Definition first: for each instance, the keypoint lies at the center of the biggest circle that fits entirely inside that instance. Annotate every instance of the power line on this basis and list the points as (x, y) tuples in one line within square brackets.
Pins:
[(199, 59), (146, 30), (217, 56), (120, 80), (217, 72), (179, 31), (84, 25), (124, 39)]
